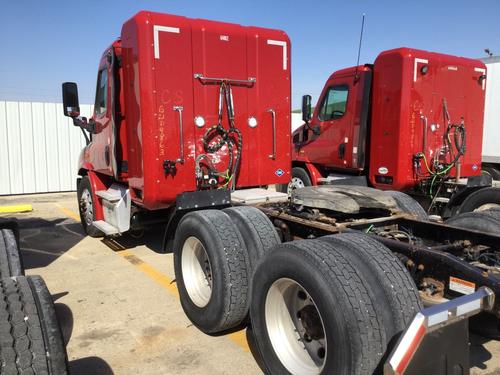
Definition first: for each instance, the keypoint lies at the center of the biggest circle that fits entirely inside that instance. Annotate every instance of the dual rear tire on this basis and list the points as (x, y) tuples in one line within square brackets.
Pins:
[(325, 306), (215, 254), (330, 306), (487, 221)]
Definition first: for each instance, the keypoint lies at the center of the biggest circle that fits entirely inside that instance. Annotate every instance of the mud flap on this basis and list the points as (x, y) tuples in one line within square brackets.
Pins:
[(437, 340), (445, 351)]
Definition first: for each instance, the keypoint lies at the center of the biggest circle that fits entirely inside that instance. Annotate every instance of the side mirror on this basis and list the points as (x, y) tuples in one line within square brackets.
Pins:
[(70, 99), (306, 108)]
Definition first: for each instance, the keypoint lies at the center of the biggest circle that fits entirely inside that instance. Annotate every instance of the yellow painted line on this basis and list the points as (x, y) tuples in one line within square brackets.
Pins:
[(69, 213), (150, 271), (16, 209), (238, 337)]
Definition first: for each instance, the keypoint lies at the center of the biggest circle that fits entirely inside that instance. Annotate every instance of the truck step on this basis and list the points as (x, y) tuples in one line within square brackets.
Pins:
[(105, 227), (252, 196), (340, 179), (111, 195), (442, 200)]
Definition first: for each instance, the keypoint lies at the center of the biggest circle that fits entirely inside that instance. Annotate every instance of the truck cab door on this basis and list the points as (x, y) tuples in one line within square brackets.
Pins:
[(340, 123), (101, 153), (331, 117)]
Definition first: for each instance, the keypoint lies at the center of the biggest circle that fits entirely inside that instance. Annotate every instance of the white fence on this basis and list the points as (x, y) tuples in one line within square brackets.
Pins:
[(296, 120), (39, 148)]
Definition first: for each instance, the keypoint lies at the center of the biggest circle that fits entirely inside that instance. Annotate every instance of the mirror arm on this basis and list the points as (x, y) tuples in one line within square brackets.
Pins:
[(87, 139), (316, 129), (85, 125)]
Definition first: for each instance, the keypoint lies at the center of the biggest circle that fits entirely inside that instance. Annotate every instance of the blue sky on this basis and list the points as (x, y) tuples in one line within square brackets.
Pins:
[(43, 43)]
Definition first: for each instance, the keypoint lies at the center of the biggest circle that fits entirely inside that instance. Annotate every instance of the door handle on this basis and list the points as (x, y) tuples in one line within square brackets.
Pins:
[(107, 158), (341, 151), (273, 117), (170, 165), (181, 134)]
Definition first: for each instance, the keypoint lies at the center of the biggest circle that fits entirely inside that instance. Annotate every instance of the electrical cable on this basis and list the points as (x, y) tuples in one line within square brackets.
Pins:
[(458, 143), (217, 137)]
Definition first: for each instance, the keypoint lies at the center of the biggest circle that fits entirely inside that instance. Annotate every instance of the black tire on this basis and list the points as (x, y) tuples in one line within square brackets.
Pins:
[(342, 297), (228, 273), (11, 263), (256, 229), (391, 283), (491, 171), (408, 205), (297, 173), (281, 188), (492, 212), (475, 221), (83, 188), (480, 198), (30, 337)]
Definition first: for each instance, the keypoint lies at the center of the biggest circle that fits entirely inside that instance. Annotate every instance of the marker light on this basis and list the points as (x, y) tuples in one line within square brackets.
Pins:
[(199, 121), (252, 122)]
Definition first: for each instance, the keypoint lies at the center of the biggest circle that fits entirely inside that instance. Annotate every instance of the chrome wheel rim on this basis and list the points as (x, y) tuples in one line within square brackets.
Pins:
[(296, 183), (295, 328), (196, 271), (87, 207)]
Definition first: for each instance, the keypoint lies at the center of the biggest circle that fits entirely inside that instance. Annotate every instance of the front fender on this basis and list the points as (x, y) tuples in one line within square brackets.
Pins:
[(84, 165), (314, 173)]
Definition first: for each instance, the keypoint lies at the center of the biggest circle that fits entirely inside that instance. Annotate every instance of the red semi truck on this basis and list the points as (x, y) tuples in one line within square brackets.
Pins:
[(411, 122), (191, 124)]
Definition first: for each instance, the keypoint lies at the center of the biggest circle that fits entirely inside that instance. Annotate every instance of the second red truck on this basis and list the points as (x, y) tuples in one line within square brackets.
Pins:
[(412, 122)]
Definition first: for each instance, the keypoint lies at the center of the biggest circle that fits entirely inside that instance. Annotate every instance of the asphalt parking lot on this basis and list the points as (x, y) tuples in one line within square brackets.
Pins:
[(118, 305)]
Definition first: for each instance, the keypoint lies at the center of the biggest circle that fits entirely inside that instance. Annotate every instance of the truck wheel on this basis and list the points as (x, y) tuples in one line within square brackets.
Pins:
[(312, 312), (396, 291), (212, 270), (256, 229), (300, 179), (493, 212), (476, 221), (481, 199), (86, 207), (491, 171), (408, 205), (30, 337), (10, 260)]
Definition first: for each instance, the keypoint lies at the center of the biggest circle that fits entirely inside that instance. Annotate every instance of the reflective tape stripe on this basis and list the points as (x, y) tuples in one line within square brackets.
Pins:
[(438, 318), (408, 344), (468, 307)]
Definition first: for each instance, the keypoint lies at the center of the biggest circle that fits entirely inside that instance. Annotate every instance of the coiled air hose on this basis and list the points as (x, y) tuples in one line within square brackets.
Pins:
[(217, 136)]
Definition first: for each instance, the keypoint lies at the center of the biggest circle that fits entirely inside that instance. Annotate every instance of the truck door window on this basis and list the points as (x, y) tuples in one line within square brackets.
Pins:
[(334, 103), (101, 96)]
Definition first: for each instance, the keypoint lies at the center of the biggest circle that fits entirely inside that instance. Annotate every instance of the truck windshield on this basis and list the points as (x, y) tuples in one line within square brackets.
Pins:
[(101, 96), (334, 103)]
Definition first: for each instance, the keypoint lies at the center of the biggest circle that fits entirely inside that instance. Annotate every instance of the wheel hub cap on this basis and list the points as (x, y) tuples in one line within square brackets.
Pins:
[(196, 271), (295, 328), (296, 183), (86, 207)]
